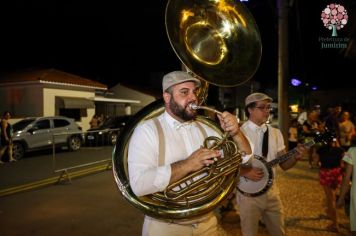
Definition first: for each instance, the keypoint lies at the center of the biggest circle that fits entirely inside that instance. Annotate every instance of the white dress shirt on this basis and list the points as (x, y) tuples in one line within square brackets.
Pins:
[(181, 140), (255, 135)]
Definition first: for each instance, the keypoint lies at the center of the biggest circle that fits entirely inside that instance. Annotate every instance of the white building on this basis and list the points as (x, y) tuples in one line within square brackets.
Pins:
[(123, 100), (49, 92)]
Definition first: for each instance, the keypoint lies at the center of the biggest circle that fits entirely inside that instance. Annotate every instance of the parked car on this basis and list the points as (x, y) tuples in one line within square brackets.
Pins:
[(37, 133), (106, 133)]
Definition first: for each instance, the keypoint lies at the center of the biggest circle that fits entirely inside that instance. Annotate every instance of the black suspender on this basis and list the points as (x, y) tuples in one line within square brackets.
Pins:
[(265, 144)]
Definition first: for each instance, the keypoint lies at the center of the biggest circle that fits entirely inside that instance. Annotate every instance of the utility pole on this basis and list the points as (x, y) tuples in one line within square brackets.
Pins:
[(283, 68)]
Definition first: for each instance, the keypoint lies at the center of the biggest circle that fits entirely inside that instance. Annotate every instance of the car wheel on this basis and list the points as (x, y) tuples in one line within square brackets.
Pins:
[(18, 151), (74, 143), (113, 138)]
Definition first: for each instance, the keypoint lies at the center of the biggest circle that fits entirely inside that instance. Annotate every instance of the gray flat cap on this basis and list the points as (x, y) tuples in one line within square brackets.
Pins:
[(255, 97), (177, 77)]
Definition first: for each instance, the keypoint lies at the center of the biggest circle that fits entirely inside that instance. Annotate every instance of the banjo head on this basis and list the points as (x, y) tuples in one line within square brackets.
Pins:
[(255, 188)]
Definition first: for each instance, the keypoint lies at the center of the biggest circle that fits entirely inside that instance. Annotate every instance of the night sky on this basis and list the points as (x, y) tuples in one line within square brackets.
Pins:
[(128, 44)]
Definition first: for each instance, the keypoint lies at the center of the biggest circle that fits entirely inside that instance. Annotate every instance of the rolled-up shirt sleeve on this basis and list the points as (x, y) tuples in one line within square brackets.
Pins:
[(146, 177), (246, 158)]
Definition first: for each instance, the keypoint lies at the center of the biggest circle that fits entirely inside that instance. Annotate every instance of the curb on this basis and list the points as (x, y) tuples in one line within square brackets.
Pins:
[(52, 180)]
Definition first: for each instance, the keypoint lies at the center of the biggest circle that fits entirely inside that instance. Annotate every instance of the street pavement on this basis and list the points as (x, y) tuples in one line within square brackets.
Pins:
[(93, 205), (41, 166), (303, 201)]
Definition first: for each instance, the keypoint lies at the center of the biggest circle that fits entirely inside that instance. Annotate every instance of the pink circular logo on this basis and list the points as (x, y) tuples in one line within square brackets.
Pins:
[(334, 17)]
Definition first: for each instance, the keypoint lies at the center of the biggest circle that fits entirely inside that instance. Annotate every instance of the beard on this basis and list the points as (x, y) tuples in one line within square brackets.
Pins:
[(181, 111)]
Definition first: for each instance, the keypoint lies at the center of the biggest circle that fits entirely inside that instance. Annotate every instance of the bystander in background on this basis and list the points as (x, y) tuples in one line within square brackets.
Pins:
[(94, 122), (293, 134), (332, 120), (346, 196), (310, 128), (6, 137), (302, 115), (347, 130)]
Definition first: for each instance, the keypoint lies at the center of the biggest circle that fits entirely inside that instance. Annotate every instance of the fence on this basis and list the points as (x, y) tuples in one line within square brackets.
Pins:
[(94, 148)]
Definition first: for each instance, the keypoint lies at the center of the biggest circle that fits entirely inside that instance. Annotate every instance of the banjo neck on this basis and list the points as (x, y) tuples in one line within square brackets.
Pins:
[(288, 155)]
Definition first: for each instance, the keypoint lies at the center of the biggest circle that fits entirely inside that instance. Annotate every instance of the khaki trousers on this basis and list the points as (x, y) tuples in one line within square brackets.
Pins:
[(267, 207), (208, 227)]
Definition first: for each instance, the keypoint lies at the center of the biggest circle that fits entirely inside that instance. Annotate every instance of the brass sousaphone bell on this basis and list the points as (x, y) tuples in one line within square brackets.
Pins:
[(219, 42)]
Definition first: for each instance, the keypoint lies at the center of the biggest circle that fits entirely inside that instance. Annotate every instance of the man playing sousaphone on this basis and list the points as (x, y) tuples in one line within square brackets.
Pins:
[(165, 149)]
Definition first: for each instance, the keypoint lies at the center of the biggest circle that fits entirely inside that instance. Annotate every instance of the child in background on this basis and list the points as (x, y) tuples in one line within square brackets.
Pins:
[(330, 176)]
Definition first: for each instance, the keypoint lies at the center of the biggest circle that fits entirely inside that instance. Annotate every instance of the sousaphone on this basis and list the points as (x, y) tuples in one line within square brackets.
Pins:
[(219, 42)]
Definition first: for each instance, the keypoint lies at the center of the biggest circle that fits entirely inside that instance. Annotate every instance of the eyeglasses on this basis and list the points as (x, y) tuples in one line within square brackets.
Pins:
[(265, 108)]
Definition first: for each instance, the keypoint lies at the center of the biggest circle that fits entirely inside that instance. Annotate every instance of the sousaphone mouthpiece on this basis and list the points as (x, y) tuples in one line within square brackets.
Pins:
[(194, 106)]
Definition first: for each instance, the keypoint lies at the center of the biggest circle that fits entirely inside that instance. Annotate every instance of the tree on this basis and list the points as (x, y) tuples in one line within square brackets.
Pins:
[(334, 17)]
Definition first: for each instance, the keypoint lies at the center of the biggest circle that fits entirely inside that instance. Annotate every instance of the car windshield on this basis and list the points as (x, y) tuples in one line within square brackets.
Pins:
[(20, 125)]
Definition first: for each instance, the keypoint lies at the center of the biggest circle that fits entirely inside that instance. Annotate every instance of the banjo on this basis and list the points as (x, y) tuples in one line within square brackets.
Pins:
[(252, 188)]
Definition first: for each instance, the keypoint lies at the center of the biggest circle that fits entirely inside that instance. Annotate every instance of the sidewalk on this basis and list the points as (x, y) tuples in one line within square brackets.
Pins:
[(303, 200)]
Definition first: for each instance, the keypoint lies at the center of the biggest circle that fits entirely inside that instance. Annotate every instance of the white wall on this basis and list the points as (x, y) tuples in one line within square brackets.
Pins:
[(123, 92), (49, 95)]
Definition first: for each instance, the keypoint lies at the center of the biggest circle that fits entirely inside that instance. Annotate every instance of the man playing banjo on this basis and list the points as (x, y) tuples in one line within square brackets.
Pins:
[(266, 141)]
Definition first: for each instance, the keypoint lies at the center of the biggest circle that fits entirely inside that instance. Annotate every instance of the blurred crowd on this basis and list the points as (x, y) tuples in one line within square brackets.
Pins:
[(335, 158), (311, 122)]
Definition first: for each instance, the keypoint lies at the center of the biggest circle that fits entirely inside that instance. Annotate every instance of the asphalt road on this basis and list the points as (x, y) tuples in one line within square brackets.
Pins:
[(93, 205), (40, 165)]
